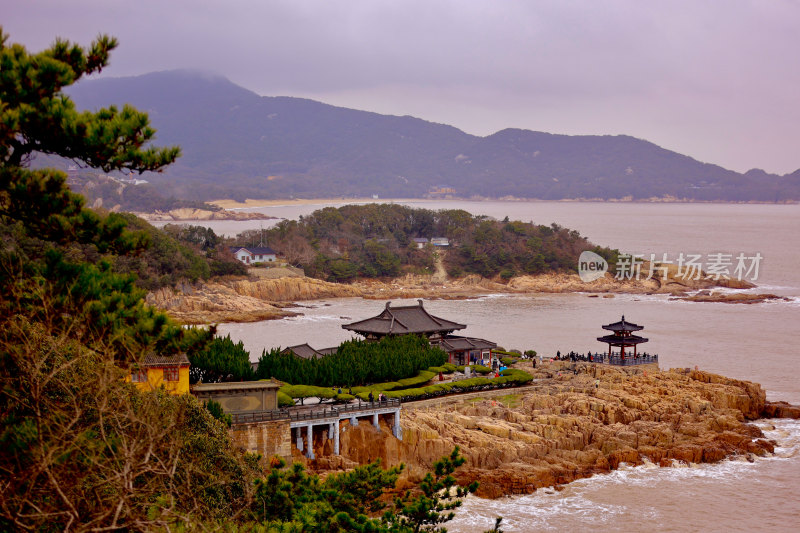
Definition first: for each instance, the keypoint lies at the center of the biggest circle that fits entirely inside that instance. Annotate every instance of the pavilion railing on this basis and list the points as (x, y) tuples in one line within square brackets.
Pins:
[(630, 360)]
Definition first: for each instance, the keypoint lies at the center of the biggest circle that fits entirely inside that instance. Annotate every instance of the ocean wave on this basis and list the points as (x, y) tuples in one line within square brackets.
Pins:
[(589, 503), (313, 318)]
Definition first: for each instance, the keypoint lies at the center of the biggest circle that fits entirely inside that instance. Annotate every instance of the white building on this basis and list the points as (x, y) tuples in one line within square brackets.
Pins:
[(259, 254)]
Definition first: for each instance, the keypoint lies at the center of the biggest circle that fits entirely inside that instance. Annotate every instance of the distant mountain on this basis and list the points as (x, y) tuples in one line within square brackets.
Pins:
[(237, 144)]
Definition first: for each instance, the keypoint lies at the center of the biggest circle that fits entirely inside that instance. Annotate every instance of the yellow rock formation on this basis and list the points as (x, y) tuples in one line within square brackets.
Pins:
[(563, 428)]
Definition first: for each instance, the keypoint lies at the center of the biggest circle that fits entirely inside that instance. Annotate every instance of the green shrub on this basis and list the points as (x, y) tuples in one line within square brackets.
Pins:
[(308, 391), (215, 408), (356, 362), (423, 377), (480, 369), (284, 400)]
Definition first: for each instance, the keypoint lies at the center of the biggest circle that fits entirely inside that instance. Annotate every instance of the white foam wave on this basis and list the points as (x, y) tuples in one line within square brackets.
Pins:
[(496, 296), (314, 318), (582, 502)]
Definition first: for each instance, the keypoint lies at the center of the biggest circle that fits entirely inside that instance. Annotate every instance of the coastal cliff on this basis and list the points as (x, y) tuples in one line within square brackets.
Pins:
[(243, 300), (262, 298), (563, 428), (192, 213)]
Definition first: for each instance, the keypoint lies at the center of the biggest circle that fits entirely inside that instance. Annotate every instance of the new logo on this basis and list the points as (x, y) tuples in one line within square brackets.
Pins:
[(591, 266)]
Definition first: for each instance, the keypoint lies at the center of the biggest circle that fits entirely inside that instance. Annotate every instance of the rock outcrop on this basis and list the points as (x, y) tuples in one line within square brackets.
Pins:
[(564, 428), (260, 296), (243, 300), (728, 298), (190, 213)]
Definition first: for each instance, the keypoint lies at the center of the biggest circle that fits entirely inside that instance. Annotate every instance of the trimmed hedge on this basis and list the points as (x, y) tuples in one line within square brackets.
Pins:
[(424, 376), (508, 378), (508, 361), (284, 400)]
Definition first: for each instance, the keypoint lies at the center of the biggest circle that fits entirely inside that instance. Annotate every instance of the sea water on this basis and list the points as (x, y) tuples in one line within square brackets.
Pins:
[(756, 342)]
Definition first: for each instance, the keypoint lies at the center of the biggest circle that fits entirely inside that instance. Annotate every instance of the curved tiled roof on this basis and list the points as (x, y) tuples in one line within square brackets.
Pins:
[(628, 340), (403, 320), (454, 343), (622, 325), (303, 351)]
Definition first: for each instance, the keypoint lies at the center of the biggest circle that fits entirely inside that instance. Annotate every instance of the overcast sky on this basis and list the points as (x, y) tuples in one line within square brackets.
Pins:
[(716, 80)]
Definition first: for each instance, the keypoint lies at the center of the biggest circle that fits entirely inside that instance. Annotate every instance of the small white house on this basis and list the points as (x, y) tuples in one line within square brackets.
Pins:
[(420, 241), (440, 241), (259, 254)]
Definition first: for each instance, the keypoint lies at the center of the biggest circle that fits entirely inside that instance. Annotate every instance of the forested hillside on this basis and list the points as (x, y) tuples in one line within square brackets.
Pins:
[(376, 240)]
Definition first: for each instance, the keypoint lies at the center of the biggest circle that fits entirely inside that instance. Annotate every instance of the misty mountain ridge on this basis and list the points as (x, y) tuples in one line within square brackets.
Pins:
[(238, 144)]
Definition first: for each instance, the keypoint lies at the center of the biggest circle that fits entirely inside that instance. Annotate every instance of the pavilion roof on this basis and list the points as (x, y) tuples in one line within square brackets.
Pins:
[(303, 351), (454, 343), (328, 351), (403, 320), (623, 325), (616, 340)]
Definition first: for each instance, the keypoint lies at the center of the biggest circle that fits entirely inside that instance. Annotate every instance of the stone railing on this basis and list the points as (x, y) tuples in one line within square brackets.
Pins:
[(312, 414)]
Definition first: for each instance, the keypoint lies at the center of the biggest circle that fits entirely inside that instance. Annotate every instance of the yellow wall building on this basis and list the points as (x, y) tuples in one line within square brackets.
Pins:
[(168, 371)]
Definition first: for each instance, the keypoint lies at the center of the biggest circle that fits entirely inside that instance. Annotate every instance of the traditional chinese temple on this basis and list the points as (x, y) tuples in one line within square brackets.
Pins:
[(305, 351), (415, 320), (404, 320), (622, 337)]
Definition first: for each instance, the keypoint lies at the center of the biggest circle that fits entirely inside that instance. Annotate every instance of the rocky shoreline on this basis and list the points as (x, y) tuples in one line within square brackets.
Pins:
[(191, 214), (577, 420), (258, 298)]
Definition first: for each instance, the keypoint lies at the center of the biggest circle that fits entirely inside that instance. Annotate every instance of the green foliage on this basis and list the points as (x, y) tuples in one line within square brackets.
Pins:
[(81, 449), (439, 495), (79, 445), (302, 392), (497, 523), (422, 377), (77, 441), (36, 116), (289, 499), (508, 378), (372, 241), (215, 408), (480, 369), (220, 360), (284, 400), (356, 362)]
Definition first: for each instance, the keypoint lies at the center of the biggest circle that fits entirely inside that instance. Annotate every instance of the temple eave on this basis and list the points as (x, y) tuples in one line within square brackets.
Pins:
[(620, 341)]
